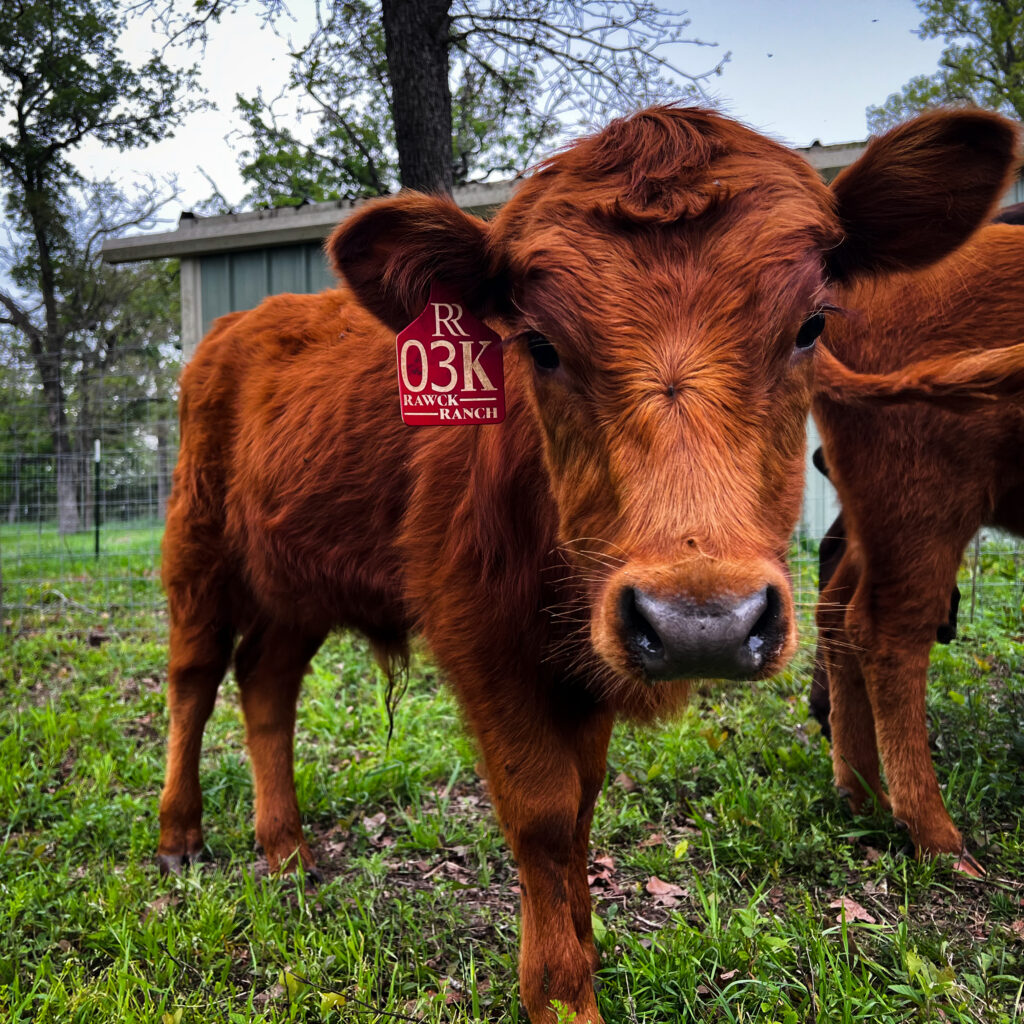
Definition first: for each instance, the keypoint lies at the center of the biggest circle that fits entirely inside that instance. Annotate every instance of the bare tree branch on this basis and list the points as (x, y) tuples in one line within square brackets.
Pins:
[(19, 317)]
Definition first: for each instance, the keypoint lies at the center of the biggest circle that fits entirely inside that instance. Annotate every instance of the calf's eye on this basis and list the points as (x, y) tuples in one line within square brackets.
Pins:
[(543, 352), (810, 329)]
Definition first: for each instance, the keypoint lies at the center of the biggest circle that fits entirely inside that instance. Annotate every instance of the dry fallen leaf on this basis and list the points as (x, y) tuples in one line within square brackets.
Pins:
[(656, 887), (449, 869), (157, 907), (665, 894), (600, 877), (375, 823), (271, 995), (853, 910)]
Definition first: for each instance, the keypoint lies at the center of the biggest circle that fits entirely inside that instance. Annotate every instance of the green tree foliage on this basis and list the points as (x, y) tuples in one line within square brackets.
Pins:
[(519, 74), (982, 64), (342, 75), (63, 78)]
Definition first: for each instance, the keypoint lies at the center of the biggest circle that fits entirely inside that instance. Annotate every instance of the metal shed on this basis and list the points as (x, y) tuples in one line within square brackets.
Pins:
[(234, 261)]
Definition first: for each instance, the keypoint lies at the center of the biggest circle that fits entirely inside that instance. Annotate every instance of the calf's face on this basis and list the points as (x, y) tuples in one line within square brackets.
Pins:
[(666, 280), (670, 378)]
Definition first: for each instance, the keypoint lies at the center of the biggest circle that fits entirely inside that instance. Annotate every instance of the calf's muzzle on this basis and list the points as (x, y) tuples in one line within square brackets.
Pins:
[(678, 637)]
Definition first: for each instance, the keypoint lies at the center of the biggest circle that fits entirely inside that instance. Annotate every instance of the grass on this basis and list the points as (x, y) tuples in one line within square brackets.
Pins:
[(732, 806), (49, 579)]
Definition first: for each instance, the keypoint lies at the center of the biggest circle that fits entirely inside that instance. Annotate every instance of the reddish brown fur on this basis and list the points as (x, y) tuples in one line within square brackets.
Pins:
[(961, 381), (916, 481), (671, 261)]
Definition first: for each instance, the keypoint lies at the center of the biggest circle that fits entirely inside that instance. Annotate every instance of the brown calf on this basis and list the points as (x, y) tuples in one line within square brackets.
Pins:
[(951, 389), (916, 481), (658, 287)]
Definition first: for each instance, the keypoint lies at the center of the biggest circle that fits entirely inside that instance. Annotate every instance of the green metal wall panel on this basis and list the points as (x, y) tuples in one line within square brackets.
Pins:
[(320, 275), (250, 278), (241, 280), (288, 270), (215, 288)]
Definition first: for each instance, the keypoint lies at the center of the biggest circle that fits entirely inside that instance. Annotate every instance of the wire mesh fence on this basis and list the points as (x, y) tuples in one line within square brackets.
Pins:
[(80, 529), (80, 532)]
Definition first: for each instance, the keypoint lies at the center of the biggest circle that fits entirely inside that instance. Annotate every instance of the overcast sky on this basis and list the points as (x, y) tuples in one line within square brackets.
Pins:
[(800, 70)]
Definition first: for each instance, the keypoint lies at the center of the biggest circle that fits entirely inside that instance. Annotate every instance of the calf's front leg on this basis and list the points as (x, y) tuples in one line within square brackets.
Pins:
[(545, 775), (895, 671), (199, 659), (854, 750), (894, 626)]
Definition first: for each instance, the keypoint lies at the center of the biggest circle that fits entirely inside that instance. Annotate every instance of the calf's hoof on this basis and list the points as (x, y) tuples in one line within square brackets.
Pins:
[(177, 849), (963, 860), (310, 876), (861, 801), (313, 875), (293, 859), (933, 835), (172, 863), (967, 865), (556, 1013)]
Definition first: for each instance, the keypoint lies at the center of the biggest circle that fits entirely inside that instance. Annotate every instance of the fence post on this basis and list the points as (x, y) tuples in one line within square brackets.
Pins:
[(96, 493)]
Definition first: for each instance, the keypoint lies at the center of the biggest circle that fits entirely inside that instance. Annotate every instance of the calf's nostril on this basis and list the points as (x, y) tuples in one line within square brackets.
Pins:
[(766, 633), (640, 634)]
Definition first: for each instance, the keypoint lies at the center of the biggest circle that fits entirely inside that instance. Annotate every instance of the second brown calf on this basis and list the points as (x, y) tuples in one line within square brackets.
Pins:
[(924, 447)]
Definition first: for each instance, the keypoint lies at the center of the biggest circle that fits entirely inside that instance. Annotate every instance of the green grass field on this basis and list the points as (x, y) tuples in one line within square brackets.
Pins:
[(49, 580), (732, 808)]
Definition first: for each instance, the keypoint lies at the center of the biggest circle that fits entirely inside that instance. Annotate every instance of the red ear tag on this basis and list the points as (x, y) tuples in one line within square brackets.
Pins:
[(450, 366)]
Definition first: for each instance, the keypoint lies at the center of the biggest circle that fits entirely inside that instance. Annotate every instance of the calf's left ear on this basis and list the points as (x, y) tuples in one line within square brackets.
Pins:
[(391, 250), (919, 191)]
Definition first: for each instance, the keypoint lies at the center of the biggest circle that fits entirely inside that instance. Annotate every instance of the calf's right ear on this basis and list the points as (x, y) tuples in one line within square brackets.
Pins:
[(919, 191), (391, 250)]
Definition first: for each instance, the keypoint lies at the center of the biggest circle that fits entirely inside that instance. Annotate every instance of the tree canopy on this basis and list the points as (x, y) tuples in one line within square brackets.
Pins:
[(982, 64), (491, 83), (63, 78)]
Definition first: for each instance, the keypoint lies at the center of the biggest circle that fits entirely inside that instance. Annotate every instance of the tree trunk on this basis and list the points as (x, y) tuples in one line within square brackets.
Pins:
[(64, 455), (416, 42), (14, 509), (83, 466), (67, 493), (83, 450), (163, 469)]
